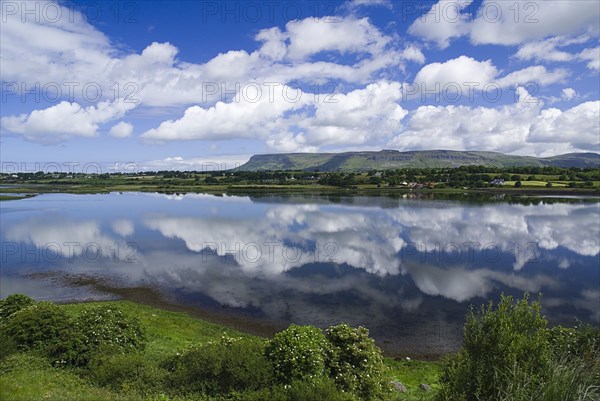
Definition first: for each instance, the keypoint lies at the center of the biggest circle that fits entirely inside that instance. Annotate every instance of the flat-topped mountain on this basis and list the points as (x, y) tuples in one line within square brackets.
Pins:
[(391, 159)]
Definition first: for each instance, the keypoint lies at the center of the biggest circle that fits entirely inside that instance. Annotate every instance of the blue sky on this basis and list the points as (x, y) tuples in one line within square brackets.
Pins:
[(186, 84)]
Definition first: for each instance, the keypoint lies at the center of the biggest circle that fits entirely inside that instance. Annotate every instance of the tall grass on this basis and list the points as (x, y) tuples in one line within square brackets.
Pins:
[(569, 380), (509, 354)]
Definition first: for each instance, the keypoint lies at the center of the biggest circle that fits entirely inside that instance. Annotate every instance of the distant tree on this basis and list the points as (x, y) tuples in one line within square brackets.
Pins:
[(375, 180), (394, 180), (518, 184)]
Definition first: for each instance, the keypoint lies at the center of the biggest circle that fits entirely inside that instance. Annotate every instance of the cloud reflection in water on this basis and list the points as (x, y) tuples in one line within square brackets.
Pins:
[(387, 264)]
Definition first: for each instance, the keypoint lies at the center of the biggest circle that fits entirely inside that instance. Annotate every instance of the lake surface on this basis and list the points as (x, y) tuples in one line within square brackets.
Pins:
[(406, 268)]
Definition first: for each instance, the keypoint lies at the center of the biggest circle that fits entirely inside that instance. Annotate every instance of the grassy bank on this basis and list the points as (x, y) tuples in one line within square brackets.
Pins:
[(26, 376), (13, 197), (244, 189)]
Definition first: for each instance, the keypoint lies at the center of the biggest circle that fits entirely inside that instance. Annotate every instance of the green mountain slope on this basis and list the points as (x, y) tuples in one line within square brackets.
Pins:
[(388, 159)]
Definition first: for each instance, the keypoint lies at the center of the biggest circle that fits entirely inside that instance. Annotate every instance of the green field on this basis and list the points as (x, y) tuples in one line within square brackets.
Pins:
[(188, 186), (380, 182), (538, 184)]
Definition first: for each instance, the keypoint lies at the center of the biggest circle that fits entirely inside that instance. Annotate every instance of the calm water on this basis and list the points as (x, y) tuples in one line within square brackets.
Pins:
[(405, 268)]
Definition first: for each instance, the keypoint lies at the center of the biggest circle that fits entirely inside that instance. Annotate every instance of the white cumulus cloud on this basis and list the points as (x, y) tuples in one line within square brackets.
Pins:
[(64, 120), (507, 23), (121, 130)]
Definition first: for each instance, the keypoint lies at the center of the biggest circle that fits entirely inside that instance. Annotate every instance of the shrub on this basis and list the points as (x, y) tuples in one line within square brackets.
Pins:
[(13, 303), (581, 341), (355, 362), (8, 345), (320, 389), (101, 329), (126, 372), (110, 327), (297, 353), (502, 347), (37, 325), (221, 368), (518, 184)]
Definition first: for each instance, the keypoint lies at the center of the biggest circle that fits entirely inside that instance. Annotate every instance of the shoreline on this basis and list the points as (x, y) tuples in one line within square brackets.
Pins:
[(151, 297), (146, 295), (28, 191)]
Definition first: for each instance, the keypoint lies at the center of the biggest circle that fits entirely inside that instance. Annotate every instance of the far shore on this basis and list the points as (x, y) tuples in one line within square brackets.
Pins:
[(29, 190)]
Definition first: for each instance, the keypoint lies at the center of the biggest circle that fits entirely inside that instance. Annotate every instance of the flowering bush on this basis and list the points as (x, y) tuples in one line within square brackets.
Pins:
[(109, 327), (297, 353), (47, 327), (581, 341), (355, 362), (96, 330)]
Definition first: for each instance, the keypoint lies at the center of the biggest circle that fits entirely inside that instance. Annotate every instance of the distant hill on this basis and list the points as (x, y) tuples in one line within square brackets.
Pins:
[(389, 159)]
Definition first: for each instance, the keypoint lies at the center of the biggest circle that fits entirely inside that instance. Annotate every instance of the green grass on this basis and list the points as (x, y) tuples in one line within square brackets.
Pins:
[(412, 373), (168, 332), (537, 184), (25, 376)]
